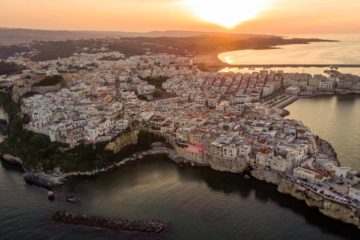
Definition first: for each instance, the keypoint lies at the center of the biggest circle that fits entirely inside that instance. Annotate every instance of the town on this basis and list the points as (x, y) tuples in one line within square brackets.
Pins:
[(226, 120)]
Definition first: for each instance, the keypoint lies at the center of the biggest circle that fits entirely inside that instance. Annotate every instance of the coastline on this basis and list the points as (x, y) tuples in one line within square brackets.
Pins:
[(288, 101), (285, 185), (211, 61), (341, 211)]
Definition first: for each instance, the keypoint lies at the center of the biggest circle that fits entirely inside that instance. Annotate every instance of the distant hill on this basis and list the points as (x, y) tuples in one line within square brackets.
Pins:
[(206, 46), (10, 36)]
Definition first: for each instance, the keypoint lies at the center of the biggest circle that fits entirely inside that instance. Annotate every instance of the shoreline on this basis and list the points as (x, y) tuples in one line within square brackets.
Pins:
[(212, 61), (285, 184), (288, 101)]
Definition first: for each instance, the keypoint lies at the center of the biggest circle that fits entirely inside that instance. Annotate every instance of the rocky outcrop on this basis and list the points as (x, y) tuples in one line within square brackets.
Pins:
[(25, 86), (148, 226), (295, 190), (343, 213), (326, 148), (125, 139), (266, 176), (20, 88), (335, 210), (12, 161), (44, 180)]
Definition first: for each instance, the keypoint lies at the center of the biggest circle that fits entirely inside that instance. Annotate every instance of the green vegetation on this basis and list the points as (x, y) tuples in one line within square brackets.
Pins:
[(8, 51), (110, 58), (142, 97), (210, 68), (62, 49), (156, 81), (37, 152), (9, 68), (185, 46), (157, 94), (50, 81)]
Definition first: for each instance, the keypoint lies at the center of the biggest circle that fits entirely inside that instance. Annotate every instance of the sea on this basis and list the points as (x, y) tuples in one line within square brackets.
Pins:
[(346, 50), (197, 202)]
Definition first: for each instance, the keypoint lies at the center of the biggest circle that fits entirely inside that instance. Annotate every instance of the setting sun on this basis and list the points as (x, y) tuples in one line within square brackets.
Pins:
[(227, 13)]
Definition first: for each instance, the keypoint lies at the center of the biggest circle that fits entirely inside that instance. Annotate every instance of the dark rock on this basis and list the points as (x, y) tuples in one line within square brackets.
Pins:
[(12, 162), (51, 196), (73, 199), (43, 180), (149, 226)]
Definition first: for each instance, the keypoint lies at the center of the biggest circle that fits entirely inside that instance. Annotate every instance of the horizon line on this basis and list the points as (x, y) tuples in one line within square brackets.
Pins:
[(173, 30)]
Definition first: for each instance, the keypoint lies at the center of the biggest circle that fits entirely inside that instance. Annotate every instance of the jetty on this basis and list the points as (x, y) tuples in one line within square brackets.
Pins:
[(146, 226)]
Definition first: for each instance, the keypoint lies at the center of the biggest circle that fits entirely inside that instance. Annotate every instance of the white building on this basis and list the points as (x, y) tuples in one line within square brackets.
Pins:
[(293, 90), (268, 90), (309, 175), (230, 151), (326, 84), (354, 192), (342, 171)]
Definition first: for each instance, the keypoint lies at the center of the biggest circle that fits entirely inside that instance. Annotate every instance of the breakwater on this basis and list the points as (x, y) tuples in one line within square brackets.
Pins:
[(148, 226)]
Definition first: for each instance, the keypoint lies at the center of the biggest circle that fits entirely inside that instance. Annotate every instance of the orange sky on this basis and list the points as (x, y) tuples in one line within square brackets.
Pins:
[(280, 16)]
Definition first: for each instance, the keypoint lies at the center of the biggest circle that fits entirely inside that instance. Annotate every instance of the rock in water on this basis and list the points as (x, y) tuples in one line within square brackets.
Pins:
[(51, 196), (247, 177), (44, 180)]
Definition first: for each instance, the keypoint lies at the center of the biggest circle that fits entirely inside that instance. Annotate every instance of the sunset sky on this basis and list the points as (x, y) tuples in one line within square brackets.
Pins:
[(268, 16)]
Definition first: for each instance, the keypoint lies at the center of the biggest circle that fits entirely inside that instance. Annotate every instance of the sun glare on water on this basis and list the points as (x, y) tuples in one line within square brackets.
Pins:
[(227, 13)]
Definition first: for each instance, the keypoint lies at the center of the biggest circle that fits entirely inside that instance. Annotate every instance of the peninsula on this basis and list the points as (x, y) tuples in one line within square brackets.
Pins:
[(90, 111)]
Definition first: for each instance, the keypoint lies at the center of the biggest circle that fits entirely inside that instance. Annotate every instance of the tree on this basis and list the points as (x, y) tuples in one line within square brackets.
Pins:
[(142, 97), (157, 94)]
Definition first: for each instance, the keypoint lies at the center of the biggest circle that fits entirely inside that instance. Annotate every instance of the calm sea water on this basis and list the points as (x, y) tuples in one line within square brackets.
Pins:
[(345, 51), (336, 119), (197, 202)]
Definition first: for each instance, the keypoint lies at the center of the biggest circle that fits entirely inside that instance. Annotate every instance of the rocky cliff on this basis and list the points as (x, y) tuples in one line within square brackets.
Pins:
[(227, 165), (329, 208), (122, 141), (266, 176)]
